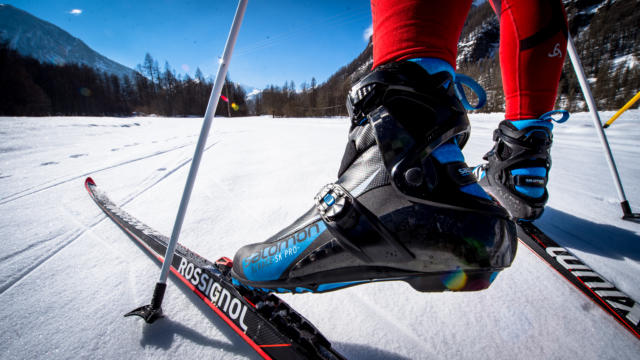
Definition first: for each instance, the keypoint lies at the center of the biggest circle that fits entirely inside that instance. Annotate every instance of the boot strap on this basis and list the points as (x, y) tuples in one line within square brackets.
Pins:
[(358, 229)]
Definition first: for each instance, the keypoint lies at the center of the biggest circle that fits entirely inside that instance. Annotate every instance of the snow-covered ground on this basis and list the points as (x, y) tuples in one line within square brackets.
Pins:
[(68, 274)]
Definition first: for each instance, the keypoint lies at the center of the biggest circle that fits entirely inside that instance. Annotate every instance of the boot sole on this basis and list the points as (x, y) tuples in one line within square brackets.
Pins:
[(454, 280)]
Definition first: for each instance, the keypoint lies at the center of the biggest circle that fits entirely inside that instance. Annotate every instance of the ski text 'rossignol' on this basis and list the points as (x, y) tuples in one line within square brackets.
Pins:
[(218, 295)]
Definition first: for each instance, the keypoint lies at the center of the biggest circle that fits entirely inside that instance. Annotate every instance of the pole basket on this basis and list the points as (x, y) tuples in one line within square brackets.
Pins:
[(627, 214), (153, 311)]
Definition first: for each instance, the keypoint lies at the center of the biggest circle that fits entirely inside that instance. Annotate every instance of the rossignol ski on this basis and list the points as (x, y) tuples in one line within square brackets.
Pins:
[(616, 303), (265, 322)]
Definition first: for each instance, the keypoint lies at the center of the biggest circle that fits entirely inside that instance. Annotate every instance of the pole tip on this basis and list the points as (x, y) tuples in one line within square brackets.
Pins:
[(147, 312), (153, 311)]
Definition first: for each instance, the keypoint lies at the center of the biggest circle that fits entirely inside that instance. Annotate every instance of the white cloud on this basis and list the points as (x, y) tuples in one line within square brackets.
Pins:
[(367, 33), (75, 12)]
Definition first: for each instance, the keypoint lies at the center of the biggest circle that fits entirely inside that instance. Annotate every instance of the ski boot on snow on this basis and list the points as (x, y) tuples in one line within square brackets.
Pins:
[(405, 205), (518, 165)]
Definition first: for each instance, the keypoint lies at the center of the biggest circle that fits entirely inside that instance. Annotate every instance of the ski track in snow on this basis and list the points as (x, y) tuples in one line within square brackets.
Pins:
[(46, 186), (150, 182), (249, 190), (77, 233), (66, 240), (399, 325)]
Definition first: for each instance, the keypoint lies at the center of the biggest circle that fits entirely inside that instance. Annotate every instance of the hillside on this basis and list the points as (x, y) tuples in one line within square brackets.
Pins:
[(606, 34), (48, 43)]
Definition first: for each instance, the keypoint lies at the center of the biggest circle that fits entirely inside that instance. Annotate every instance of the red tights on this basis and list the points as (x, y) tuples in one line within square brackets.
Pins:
[(533, 43)]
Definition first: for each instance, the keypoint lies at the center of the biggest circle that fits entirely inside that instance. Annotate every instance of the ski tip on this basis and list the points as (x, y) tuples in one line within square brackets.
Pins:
[(89, 181)]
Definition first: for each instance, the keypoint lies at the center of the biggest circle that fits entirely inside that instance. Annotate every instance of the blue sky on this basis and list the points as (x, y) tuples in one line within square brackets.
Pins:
[(279, 40)]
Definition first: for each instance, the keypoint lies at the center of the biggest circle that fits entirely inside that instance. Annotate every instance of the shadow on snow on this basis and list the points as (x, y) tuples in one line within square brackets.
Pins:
[(602, 239), (359, 351)]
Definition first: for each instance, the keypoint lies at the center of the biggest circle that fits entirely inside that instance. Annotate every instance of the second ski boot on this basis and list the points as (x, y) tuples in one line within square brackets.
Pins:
[(405, 205), (518, 165)]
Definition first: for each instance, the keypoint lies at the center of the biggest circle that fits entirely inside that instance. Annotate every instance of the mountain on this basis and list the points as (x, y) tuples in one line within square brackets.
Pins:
[(606, 34), (251, 91), (33, 37)]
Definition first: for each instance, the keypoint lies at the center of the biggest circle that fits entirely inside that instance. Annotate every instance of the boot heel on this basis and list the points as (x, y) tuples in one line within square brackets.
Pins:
[(457, 280)]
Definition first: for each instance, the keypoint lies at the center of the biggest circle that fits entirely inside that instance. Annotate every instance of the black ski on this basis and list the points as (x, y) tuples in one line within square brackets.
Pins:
[(616, 303), (265, 322)]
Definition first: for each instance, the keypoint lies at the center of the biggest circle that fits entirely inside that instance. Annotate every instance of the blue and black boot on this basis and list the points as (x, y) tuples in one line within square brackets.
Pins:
[(518, 165), (405, 205)]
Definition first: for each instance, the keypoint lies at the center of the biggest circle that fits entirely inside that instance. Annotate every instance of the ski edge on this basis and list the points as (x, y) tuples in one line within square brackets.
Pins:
[(89, 182), (262, 350), (607, 296)]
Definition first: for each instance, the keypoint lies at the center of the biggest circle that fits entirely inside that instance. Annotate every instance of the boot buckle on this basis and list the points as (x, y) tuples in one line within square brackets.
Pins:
[(331, 201)]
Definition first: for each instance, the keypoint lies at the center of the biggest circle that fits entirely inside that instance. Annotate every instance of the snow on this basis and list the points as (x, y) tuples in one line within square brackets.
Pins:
[(593, 9), (253, 93), (628, 61), (69, 274)]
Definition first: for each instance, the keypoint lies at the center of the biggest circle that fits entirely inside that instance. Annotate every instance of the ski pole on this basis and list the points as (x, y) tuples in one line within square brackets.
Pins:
[(622, 109), (153, 311), (588, 96)]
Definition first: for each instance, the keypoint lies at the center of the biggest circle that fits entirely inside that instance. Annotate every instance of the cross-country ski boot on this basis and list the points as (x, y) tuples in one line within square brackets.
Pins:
[(518, 165), (405, 207)]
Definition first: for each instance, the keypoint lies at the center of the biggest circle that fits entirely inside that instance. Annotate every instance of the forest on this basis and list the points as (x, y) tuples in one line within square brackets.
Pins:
[(31, 88), (606, 39)]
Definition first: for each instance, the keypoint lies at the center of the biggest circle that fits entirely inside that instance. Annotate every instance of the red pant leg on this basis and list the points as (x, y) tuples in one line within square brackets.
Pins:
[(533, 43), (414, 28)]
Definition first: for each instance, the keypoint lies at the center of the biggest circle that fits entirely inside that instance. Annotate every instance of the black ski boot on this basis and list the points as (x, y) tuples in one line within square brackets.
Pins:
[(518, 166), (405, 206)]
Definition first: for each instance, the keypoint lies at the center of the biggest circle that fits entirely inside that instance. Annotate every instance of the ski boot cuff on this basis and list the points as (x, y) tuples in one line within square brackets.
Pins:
[(435, 65), (519, 164), (544, 120), (419, 125)]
